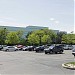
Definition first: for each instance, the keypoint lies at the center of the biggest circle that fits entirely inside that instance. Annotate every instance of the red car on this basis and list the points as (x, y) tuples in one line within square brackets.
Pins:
[(20, 47)]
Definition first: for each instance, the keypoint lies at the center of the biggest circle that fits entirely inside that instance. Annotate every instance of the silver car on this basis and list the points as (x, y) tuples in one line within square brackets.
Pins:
[(9, 48)]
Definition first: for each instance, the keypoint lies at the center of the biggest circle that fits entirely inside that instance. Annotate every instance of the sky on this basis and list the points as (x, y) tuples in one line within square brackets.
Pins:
[(55, 14)]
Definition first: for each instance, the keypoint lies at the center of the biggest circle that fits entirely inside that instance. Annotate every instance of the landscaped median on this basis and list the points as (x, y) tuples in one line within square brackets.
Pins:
[(69, 65)]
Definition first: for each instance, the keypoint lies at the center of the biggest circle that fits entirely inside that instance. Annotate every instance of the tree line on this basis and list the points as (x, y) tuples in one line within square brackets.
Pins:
[(38, 37)]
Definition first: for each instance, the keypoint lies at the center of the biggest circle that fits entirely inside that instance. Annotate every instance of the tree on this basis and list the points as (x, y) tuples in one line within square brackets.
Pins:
[(3, 34), (59, 37), (40, 34), (43, 36), (46, 39), (22, 41), (19, 34), (12, 38), (33, 39), (52, 35), (64, 39), (21, 37), (68, 38)]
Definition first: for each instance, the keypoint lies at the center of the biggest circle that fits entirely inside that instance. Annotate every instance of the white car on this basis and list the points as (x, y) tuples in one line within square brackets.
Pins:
[(9, 48), (16, 48), (73, 51), (25, 48), (68, 47)]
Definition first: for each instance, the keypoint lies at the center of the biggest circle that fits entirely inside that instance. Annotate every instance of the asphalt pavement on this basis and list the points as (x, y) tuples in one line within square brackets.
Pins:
[(32, 63)]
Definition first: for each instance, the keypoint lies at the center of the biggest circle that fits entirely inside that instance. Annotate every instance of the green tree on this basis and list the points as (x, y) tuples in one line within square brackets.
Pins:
[(33, 39), (3, 34), (22, 41), (19, 34), (65, 39), (59, 37), (12, 38), (68, 38), (43, 36), (46, 39), (40, 34), (21, 37), (52, 35)]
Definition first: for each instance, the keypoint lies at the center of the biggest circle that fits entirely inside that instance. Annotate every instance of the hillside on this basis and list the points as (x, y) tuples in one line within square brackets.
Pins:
[(24, 29)]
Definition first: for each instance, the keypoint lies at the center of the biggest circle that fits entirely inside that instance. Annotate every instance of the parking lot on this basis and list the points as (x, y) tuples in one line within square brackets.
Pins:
[(32, 63)]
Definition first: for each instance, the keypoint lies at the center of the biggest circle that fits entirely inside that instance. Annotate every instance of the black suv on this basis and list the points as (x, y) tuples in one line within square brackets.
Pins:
[(39, 49), (1, 47), (54, 49)]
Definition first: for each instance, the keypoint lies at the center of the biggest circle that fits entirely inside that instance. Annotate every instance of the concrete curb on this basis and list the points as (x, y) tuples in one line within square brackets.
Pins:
[(68, 67)]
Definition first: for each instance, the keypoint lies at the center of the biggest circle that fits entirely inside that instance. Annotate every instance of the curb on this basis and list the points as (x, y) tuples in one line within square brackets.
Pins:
[(68, 67)]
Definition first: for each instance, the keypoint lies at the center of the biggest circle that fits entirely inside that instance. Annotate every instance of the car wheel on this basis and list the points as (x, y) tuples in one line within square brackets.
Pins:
[(55, 52), (36, 51), (51, 52), (16, 50), (60, 52), (23, 50), (7, 50), (45, 52)]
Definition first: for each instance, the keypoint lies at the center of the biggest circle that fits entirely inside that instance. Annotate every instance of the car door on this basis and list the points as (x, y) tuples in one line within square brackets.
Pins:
[(11, 48), (55, 49)]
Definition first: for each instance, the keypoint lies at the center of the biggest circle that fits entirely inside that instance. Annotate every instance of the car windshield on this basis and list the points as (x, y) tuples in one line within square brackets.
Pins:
[(51, 47), (69, 45), (10, 47), (73, 50)]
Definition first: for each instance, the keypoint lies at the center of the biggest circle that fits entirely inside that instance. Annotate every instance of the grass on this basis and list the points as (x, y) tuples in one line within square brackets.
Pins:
[(73, 63)]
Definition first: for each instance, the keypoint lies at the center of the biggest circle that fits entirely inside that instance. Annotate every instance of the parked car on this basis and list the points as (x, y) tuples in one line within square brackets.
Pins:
[(39, 49), (73, 51), (68, 47), (53, 49), (31, 48), (25, 48), (17, 49), (62, 45), (20, 47), (1, 47), (28, 48), (9, 48)]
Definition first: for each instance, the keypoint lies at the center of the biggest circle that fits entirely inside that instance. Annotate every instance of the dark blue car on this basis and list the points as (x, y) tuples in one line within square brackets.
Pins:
[(54, 49), (39, 49)]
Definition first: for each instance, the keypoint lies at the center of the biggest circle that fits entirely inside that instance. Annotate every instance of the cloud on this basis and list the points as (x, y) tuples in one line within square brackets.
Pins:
[(4, 18), (57, 22), (12, 24), (8, 21), (1, 21), (52, 19)]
